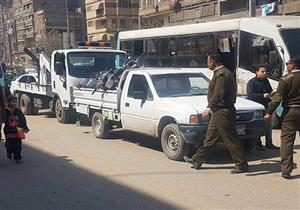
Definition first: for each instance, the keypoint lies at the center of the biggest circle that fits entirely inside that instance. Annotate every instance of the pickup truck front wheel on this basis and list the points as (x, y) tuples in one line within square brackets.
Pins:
[(173, 143), (100, 126)]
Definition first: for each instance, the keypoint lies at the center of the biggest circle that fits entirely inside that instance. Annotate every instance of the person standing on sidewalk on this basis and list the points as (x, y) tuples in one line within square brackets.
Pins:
[(221, 99), (288, 92), (259, 90)]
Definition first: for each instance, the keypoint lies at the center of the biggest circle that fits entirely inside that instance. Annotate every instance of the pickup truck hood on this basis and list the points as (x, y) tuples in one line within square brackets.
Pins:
[(199, 103)]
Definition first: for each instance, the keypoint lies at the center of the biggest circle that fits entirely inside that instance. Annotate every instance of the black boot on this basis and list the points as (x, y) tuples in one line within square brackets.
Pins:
[(195, 165), (240, 169)]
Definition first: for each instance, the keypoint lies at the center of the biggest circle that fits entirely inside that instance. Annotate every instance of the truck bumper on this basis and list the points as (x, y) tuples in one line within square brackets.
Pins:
[(195, 134)]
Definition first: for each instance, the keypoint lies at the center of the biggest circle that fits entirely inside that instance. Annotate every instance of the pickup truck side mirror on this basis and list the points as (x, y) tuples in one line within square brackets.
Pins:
[(139, 94)]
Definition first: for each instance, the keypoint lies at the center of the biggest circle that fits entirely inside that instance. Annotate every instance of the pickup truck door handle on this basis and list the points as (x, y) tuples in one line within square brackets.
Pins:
[(127, 104)]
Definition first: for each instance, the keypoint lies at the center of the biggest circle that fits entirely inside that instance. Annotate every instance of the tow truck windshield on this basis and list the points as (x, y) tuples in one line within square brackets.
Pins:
[(88, 64)]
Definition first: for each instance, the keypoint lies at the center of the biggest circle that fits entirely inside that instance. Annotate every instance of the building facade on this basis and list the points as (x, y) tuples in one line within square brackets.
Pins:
[(158, 13), (32, 23), (105, 18)]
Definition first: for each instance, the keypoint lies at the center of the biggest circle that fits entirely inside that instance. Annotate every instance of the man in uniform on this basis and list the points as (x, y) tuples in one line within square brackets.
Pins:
[(288, 92), (221, 99)]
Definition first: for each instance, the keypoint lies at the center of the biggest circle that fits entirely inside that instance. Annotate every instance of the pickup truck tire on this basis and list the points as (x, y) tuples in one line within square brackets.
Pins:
[(99, 126), (173, 143), (62, 115), (26, 104), (249, 144)]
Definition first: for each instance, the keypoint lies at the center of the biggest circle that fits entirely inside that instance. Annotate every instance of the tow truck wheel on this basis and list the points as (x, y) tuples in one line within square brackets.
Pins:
[(100, 126), (63, 116), (173, 143), (25, 104)]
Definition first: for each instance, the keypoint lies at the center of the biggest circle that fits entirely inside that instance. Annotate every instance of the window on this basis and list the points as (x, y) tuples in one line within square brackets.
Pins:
[(86, 65), (138, 83), (181, 84), (125, 4), (27, 79), (290, 37), (258, 51)]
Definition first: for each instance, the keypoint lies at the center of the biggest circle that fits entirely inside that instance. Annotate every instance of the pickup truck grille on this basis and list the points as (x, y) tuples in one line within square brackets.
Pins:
[(244, 116)]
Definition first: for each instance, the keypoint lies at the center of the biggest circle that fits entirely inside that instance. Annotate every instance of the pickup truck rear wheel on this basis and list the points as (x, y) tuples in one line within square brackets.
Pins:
[(62, 115), (26, 104), (173, 143), (100, 126)]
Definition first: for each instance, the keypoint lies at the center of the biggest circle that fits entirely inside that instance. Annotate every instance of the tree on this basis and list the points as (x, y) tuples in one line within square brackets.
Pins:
[(52, 41)]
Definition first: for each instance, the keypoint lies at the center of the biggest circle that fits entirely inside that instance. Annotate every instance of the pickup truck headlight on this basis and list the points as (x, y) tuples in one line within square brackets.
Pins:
[(259, 114), (197, 118), (194, 119)]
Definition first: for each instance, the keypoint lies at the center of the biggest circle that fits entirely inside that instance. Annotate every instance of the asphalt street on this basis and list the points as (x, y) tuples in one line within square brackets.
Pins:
[(66, 167)]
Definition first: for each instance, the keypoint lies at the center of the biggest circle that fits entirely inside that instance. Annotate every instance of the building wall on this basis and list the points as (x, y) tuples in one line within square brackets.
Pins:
[(154, 13), (26, 31), (105, 18)]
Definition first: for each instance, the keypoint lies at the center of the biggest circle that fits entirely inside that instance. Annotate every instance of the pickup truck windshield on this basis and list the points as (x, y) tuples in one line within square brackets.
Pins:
[(182, 84), (88, 64), (290, 38)]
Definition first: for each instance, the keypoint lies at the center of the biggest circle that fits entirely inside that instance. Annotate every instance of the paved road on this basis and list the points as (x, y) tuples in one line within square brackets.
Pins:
[(65, 167)]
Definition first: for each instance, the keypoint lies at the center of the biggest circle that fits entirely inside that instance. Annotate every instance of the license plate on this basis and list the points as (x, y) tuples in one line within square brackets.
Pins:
[(241, 130)]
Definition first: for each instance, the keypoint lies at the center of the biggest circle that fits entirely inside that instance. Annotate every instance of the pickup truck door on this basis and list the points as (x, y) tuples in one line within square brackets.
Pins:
[(137, 106)]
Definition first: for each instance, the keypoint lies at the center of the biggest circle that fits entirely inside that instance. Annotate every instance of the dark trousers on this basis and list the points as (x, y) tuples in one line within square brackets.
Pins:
[(268, 136), (14, 147), (222, 125), (290, 126)]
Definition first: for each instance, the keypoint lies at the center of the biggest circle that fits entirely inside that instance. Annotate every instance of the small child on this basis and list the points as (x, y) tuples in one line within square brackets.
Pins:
[(14, 120)]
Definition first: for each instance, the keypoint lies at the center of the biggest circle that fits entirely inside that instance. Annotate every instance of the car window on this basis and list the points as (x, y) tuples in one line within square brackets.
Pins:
[(139, 83), (23, 79), (30, 79)]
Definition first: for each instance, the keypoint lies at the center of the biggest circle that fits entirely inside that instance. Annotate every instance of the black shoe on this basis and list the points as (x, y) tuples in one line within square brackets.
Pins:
[(286, 176), (195, 164), (240, 169), (9, 155), (260, 147), (272, 146)]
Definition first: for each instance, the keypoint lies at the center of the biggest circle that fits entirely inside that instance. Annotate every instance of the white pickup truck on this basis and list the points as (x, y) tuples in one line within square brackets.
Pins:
[(165, 103)]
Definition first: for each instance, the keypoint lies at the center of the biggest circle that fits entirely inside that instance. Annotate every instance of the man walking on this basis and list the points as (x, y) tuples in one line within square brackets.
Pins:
[(288, 93), (221, 99), (259, 90)]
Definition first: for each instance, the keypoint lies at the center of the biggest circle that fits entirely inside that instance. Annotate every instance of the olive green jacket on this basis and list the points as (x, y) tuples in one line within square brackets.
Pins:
[(222, 90), (288, 91)]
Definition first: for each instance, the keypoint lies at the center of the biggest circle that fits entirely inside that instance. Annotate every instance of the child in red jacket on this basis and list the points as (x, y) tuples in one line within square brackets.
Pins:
[(14, 121)]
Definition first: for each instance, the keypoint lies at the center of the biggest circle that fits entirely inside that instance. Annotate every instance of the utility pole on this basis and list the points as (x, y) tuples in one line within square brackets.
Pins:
[(252, 7), (68, 25), (9, 32)]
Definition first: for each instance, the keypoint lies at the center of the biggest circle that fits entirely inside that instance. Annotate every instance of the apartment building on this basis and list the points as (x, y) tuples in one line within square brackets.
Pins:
[(31, 23), (105, 18), (158, 13)]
